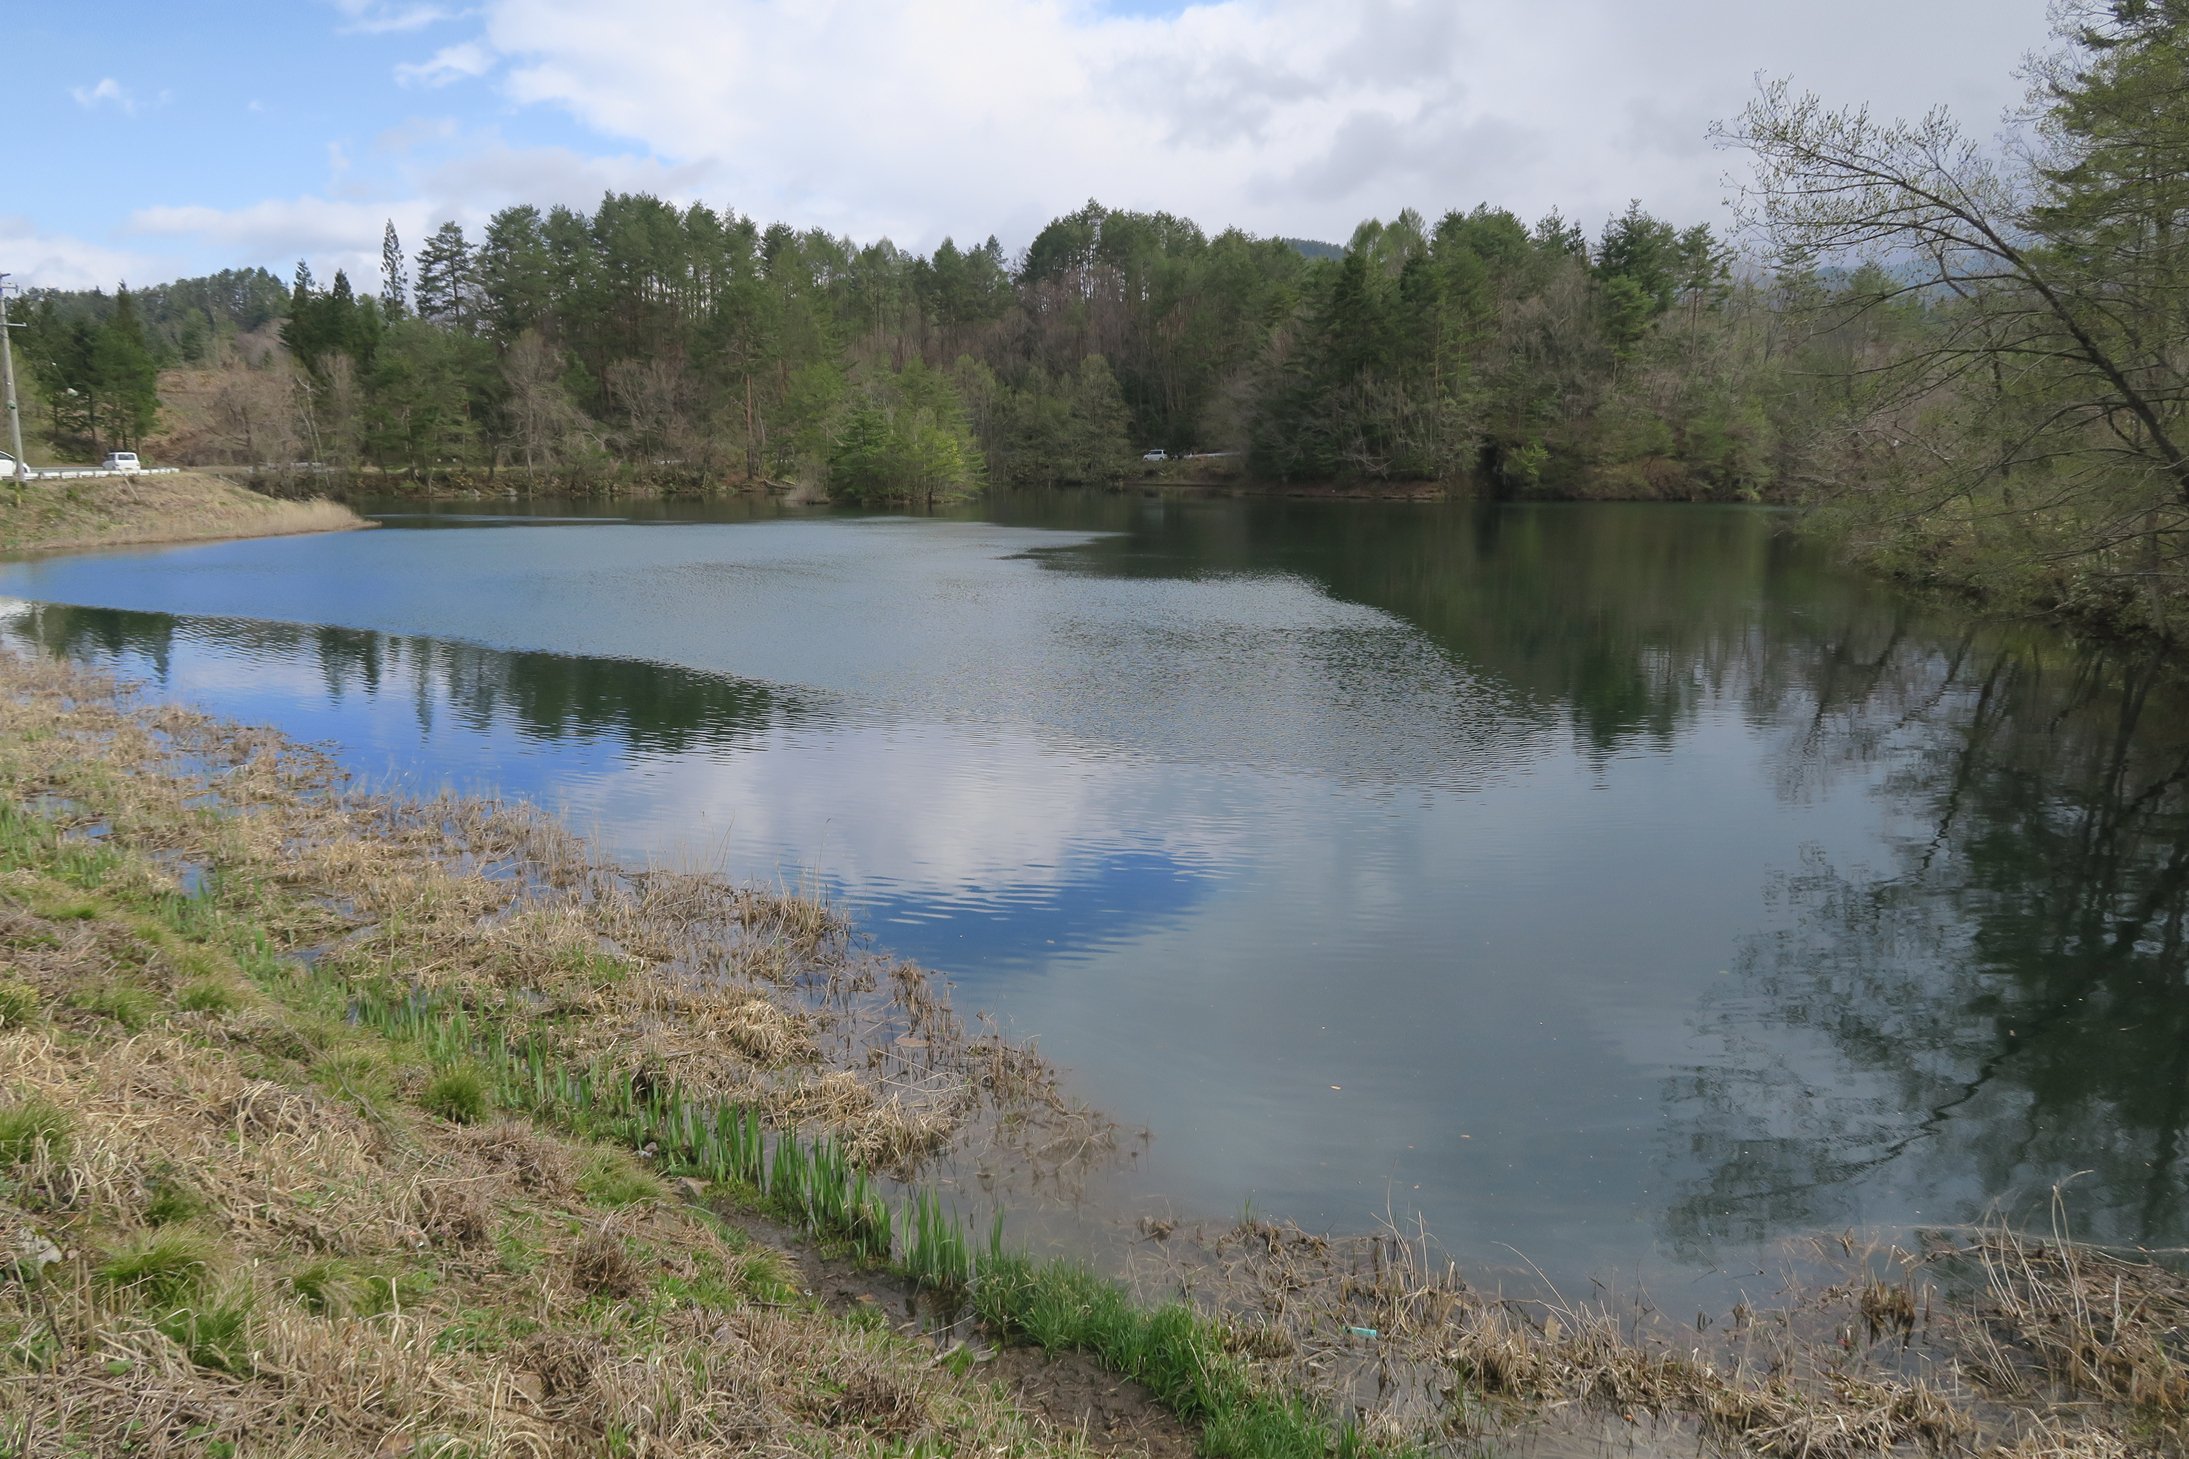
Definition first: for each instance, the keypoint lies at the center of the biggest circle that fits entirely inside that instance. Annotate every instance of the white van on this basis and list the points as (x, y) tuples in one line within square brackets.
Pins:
[(123, 461)]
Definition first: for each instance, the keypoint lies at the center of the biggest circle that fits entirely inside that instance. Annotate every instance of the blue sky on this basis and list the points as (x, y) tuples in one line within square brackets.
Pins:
[(174, 139)]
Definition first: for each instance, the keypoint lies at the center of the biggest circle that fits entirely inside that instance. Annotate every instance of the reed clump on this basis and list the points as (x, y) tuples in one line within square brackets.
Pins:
[(1986, 1343), (2047, 1317)]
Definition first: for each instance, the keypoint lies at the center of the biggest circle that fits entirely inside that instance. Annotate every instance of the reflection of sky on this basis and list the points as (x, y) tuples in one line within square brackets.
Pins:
[(1017, 925), (1496, 980), (1344, 921)]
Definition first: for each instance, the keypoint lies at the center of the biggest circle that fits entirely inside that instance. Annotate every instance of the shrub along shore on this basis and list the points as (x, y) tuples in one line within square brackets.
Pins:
[(339, 1124)]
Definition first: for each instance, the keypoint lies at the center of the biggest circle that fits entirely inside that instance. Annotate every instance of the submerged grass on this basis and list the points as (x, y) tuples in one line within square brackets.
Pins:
[(2053, 1317)]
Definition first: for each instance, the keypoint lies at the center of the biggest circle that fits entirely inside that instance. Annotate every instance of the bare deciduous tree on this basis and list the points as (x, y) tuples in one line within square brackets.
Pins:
[(2033, 401), (541, 416)]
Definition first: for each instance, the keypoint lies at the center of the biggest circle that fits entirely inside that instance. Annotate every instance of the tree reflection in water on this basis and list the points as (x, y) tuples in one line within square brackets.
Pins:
[(1999, 1006), (643, 707)]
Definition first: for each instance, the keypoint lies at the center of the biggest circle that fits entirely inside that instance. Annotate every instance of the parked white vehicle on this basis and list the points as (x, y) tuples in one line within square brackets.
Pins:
[(1158, 454), (124, 462)]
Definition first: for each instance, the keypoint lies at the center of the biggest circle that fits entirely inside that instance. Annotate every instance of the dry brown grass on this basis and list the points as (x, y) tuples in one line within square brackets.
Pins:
[(475, 1307), (2051, 1319), (1988, 1345), (58, 516)]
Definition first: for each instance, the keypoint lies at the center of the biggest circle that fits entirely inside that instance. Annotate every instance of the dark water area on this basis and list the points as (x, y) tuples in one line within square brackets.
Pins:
[(1622, 886)]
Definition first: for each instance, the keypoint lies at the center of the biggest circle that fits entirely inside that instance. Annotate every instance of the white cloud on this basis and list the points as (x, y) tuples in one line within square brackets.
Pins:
[(918, 117), (108, 92), (478, 175), (487, 174), (333, 233), (913, 810), (460, 62), (55, 261)]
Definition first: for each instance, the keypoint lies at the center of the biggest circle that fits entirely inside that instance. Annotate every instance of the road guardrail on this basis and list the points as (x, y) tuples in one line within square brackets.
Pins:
[(64, 473)]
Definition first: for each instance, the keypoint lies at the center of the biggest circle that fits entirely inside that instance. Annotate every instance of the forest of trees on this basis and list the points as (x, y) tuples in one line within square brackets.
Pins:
[(1968, 356), (682, 341)]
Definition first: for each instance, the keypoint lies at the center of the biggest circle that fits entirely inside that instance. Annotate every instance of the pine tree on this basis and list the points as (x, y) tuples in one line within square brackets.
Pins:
[(394, 281), (447, 291), (124, 374), (516, 273)]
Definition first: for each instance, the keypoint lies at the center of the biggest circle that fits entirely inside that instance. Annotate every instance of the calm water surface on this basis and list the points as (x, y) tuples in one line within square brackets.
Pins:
[(1618, 885)]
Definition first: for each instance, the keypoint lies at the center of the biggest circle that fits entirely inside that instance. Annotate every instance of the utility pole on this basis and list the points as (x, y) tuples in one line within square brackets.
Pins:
[(7, 384)]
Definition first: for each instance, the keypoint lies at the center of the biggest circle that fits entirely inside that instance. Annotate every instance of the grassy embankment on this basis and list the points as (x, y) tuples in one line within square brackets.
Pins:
[(116, 511), (332, 1124)]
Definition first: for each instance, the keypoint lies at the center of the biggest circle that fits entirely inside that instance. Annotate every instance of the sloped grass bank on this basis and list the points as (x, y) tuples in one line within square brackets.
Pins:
[(120, 511)]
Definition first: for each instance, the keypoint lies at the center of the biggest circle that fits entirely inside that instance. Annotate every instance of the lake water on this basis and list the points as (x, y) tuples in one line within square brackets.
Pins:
[(1622, 886)]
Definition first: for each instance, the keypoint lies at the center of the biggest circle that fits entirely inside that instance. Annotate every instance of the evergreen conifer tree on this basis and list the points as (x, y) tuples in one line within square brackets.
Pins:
[(394, 281), (446, 289), (125, 374)]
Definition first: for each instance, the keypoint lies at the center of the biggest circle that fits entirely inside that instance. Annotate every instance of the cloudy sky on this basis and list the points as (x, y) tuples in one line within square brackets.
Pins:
[(156, 139)]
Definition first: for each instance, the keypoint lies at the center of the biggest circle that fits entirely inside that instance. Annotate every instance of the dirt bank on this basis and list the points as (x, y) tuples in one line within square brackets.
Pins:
[(118, 511)]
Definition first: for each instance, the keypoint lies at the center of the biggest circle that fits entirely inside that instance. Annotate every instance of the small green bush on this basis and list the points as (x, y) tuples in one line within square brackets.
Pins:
[(209, 995), (458, 1094), (18, 1004), (362, 1076), (330, 1287), (170, 1199), (126, 1003), (322, 1286), (29, 1125), (612, 1178), (214, 1334), (381, 1291), (164, 1268)]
